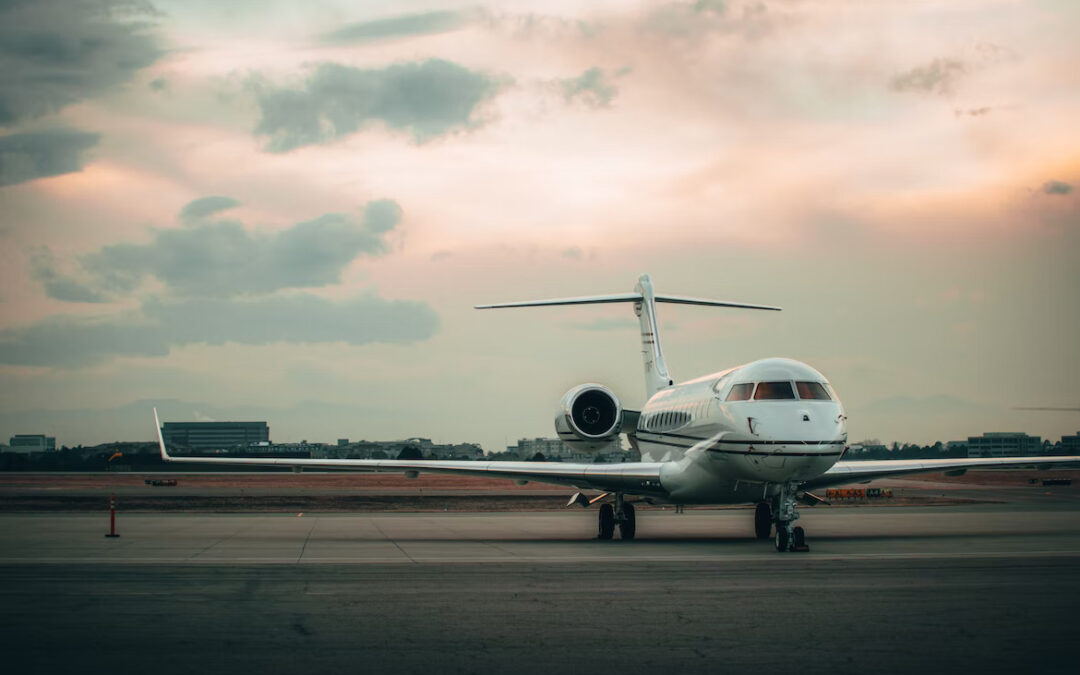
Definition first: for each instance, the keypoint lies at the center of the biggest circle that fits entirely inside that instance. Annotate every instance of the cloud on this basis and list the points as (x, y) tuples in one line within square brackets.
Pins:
[(937, 77), (57, 286), (73, 342), (382, 215), (704, 6), (425, 99), (406, 25), (593, 88), (1056, 187), (39, 154), (54, 53), (693, 21), (534, 26), (222, 259), (200, 208)]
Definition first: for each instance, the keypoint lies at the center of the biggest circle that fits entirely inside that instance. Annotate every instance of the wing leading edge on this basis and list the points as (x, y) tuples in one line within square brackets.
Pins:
[(642, 478), (851, 472)]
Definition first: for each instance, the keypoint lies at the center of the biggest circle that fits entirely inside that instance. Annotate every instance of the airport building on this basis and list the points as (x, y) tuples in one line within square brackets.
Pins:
[(1070, 445), (999, 444), (554, 449), (32, 443), (346, 449), (550, 448), (215, 435)]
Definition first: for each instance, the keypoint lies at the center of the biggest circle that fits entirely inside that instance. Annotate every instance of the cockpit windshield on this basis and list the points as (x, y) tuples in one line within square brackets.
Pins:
[(780, 391), (772, 391), (741, 392), (812, 390)]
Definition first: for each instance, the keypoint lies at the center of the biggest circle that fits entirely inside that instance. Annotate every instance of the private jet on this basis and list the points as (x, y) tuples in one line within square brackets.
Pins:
[(766, 433)]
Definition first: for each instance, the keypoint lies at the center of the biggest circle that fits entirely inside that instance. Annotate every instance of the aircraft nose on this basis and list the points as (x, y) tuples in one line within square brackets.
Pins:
[(801, 424)]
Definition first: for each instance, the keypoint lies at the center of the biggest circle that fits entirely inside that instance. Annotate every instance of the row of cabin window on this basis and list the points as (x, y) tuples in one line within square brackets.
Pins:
[(775, 391), (671, 420)]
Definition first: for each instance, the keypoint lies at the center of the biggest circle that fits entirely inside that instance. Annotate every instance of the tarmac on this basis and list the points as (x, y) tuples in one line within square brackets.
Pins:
[(992, 587), (531, 537)]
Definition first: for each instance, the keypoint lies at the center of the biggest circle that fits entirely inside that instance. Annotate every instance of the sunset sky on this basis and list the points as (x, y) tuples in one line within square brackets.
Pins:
[(286, 211)]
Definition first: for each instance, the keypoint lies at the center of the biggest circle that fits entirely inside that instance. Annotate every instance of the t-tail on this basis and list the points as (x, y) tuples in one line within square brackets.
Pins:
[(644, 298)]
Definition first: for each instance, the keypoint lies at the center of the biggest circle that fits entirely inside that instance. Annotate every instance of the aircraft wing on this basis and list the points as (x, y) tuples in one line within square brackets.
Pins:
[(853, 472), (641, 478)]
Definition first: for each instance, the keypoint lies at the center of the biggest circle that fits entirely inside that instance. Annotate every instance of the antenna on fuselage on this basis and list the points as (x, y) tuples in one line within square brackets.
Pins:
[(657, 377)]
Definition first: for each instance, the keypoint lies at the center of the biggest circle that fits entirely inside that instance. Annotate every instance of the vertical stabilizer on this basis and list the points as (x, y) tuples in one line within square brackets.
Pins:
[(656, 372)]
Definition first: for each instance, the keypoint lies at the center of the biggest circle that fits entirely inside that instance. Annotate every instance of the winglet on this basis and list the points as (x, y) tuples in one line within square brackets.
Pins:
[(160, 439)]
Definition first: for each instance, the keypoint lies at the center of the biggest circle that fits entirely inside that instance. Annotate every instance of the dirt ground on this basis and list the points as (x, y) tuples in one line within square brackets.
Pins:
[(1001, 478), (431, 481), (321, 481), (330, 492)]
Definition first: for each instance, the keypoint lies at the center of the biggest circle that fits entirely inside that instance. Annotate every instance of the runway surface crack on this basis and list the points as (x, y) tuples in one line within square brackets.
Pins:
[(396, 545), (219, 542), (307, 539)]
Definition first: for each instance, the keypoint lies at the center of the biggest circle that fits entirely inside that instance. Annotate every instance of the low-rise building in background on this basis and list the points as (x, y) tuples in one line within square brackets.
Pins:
[(31, 443), (1070, 445), (555, 450), (426, 449), (215, 435), (1004, 444)]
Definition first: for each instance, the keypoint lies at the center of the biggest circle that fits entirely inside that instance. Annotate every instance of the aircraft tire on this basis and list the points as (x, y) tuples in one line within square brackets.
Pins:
[(628, 527), (798, 539), (763, 520), (782, 539), (607, 522)]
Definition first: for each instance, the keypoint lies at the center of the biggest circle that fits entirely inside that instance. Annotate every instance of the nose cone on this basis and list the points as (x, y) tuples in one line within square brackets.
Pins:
[(801, 422), (796, 440)]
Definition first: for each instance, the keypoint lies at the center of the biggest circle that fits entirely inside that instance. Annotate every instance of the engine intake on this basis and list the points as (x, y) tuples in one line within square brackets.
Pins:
[(589, 416)]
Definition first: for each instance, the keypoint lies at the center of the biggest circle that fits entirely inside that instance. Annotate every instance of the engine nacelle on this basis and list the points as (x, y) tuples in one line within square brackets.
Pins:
[(589, 417)]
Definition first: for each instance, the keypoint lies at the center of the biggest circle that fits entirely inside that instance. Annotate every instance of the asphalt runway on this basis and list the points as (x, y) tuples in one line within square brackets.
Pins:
[(986, 587)]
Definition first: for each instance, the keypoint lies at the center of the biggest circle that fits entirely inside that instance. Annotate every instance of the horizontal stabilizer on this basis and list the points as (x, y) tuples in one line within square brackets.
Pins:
[(679, 300), (626, 297), (583, 300)]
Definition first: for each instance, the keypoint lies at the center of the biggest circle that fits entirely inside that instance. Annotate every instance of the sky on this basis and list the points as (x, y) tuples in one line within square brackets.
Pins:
[(286, 211)]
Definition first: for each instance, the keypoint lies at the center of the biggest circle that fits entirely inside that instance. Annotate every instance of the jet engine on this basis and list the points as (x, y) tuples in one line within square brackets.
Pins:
[(589, 417)]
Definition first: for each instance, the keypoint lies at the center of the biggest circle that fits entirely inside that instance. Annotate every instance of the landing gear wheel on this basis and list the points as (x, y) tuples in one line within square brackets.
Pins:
[(607, 522), (783, 539), (798, 540), (628, 526), (763, 520), (786, 507)]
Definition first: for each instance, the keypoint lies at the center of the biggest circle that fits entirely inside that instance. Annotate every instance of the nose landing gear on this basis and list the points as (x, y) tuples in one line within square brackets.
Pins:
[(788, 538)]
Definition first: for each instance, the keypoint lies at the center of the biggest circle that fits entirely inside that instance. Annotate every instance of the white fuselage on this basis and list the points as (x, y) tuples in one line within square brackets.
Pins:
[(758, 443)]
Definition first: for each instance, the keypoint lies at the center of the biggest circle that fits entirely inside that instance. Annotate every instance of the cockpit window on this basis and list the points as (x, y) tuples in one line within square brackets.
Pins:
[(740, 392), (771, 391), (812, 390)]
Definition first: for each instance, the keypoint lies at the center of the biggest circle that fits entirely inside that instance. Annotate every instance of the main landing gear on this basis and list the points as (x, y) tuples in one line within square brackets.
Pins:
[(621, 514), (788, 538), (763, 520)]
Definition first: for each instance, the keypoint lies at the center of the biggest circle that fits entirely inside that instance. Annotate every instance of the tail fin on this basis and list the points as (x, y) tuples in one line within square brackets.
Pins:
[(656, 372), (644, 299)]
